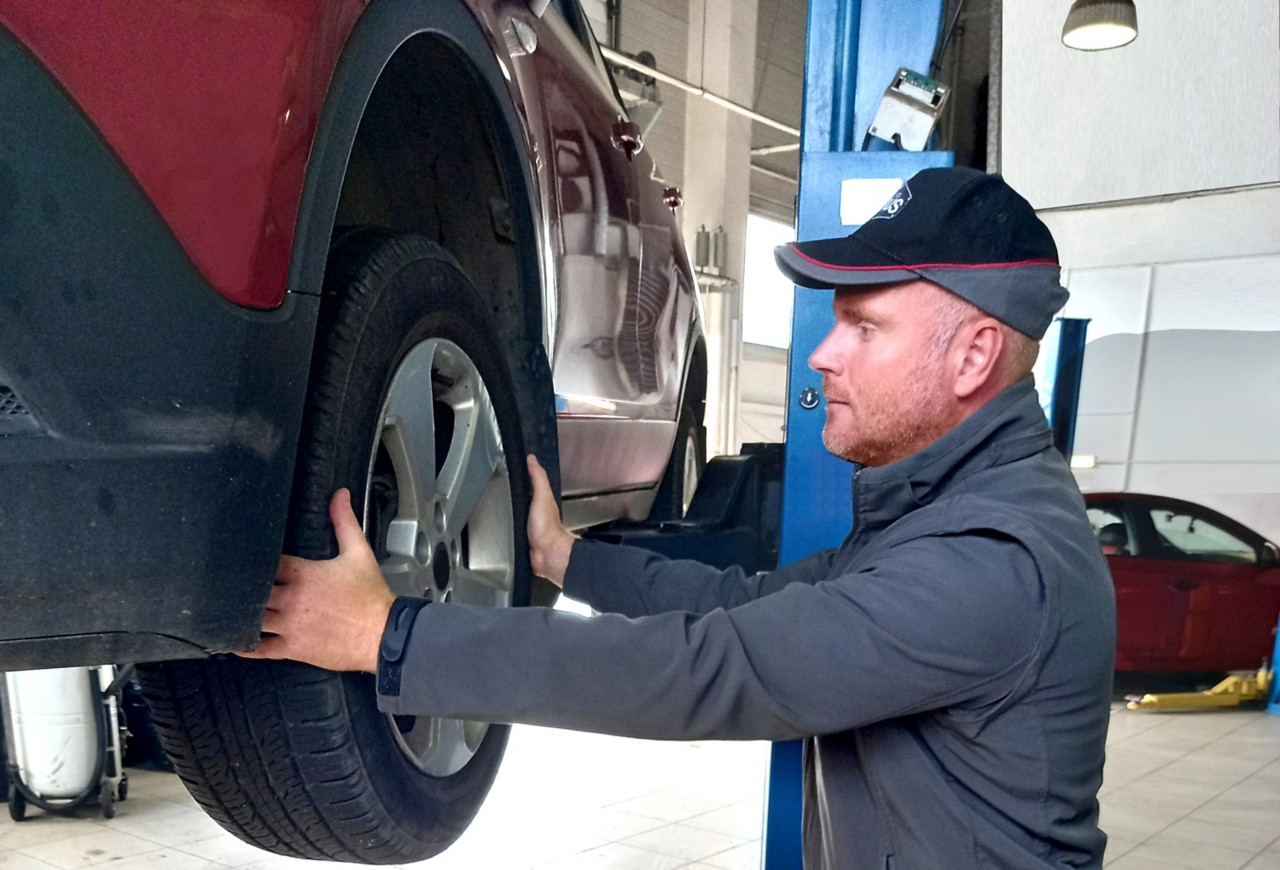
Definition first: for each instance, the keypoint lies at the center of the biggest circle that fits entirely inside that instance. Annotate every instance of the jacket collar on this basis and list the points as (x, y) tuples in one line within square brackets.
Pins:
[(1008, 428)]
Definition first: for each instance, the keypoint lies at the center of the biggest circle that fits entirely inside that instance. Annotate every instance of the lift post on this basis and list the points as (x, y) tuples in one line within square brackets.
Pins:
[(854, 49)]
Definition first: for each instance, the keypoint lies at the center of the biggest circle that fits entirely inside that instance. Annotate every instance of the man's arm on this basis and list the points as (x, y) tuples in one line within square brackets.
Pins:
[(939, 622), (636, 582)]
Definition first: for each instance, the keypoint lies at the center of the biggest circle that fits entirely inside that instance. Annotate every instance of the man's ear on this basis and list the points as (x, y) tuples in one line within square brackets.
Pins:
[(981, 344)]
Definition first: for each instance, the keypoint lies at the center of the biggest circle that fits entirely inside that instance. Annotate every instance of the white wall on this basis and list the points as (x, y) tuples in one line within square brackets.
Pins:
[(1181, 388), (1192, 104)]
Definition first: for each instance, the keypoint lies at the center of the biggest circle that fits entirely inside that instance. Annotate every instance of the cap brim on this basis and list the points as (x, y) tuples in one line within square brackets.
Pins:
[(824, 264)]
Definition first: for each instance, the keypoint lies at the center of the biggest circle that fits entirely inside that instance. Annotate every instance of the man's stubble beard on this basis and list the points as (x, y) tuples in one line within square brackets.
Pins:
[(901, 425)]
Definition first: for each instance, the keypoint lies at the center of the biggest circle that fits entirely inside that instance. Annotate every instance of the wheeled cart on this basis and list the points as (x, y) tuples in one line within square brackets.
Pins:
[(63, 735)]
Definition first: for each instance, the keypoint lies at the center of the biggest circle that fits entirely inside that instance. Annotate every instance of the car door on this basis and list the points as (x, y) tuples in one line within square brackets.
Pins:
[(1231, 583), (1149, 611), (614, 432)]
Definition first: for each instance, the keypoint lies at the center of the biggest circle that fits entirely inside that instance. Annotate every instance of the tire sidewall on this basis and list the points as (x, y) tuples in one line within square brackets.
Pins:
[(409, 291)]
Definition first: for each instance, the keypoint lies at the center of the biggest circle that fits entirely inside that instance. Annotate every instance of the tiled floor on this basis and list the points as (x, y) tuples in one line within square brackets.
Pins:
[(1183, 790)]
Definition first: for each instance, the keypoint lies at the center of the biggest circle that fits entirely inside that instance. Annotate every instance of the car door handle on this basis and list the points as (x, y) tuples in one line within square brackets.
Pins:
[(1183, 586), (626, 137)]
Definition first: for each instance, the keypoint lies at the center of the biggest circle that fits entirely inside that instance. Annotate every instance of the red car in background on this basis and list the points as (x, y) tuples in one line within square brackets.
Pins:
[(1195, 590), (251, 252)]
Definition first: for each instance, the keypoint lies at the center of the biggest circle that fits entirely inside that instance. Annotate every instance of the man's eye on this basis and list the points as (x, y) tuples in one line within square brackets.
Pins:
[(865, 330)]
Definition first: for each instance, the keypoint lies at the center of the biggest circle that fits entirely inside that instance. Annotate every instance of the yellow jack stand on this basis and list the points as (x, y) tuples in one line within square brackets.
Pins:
[(1231, 692)]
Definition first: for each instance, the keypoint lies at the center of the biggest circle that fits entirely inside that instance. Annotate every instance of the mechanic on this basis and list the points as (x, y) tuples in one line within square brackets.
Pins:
[(949, 665)]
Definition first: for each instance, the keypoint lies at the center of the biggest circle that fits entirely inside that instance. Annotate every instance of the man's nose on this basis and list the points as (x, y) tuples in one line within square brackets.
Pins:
[(821, 360)]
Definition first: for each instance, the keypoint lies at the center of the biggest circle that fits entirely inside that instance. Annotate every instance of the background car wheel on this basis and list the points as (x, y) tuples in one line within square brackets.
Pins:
[(412, 406), (685, 467)]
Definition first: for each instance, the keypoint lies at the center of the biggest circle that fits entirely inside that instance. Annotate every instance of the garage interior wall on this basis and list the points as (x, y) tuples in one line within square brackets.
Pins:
[(1157, 166)]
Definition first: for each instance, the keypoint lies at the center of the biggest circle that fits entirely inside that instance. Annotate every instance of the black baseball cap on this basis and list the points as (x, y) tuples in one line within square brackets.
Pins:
[(965, 230)]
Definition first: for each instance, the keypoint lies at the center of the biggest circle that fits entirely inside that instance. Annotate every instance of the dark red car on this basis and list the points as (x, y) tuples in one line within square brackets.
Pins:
[(1195, 590), (254, 251)]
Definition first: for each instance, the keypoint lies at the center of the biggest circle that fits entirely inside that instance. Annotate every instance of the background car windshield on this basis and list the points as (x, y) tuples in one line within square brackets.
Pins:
[(1197, 538)]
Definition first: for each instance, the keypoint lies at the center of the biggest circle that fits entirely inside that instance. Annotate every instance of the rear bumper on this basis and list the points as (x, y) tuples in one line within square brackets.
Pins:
[(148, 427)]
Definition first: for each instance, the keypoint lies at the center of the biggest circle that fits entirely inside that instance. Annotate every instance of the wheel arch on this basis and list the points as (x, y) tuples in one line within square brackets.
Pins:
[(402, 106)]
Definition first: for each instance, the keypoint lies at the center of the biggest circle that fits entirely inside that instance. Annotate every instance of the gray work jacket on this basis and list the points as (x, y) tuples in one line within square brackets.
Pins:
[(949, 665)]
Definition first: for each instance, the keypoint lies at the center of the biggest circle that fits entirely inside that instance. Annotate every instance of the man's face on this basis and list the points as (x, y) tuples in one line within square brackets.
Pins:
[(888, 391)]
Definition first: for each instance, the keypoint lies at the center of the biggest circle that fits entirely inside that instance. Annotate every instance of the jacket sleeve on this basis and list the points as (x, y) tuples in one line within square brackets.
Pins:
[(613, 578), (936, 622)]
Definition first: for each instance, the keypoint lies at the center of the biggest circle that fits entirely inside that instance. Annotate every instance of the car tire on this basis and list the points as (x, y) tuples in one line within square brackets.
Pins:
[(297, 760), (685, 466)]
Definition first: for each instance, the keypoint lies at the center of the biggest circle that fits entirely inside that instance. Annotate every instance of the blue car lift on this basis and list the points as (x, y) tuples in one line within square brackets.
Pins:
[(853, 50)]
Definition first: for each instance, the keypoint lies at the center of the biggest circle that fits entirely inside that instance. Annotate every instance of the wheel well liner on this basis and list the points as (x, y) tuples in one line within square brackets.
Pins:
[(402, 55)]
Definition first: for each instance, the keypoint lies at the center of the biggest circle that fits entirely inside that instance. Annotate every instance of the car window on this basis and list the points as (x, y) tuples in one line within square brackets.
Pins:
[(1111, 529), (1186, 535)]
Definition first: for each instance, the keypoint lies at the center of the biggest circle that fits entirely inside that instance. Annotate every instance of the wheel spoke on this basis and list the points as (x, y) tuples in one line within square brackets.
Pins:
[(409, 433), (449, 750), (488, 587), (475, 456)]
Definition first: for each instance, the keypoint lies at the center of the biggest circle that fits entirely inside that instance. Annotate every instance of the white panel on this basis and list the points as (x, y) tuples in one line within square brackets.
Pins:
[(1104, 478), (1191, 479), (1105, 436), (1109, 381), (1258, 510), (1114, 300), (1190, 105), (1238, 223), (1209, 395), (1220, 294)]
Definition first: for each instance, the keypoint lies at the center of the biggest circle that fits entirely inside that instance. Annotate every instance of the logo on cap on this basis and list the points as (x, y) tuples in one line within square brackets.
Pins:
[(891, 208)]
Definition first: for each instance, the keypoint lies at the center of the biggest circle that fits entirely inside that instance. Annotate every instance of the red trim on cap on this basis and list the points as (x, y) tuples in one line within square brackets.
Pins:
[(913, 268)]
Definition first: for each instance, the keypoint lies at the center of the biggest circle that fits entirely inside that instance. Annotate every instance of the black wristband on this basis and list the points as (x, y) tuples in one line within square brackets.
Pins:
[(395, 638)]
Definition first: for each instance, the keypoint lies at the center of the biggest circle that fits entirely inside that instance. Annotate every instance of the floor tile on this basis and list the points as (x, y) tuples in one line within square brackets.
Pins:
[(684, 842), (1120, 842), (744, 857), (1193, 830), (226, 849), (18, 861), (93, 847), (1194, 856), (617, 856), (744, 820)]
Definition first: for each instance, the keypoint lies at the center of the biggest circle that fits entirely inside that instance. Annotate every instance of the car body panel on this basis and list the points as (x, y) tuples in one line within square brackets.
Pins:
[(214, 119), (158, 190), (1180, 607)]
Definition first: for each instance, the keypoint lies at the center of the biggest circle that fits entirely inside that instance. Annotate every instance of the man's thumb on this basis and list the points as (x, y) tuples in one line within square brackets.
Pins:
[(345, 525)]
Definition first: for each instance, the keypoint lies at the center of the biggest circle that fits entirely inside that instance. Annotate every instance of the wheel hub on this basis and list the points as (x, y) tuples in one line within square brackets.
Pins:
[(450, 536)]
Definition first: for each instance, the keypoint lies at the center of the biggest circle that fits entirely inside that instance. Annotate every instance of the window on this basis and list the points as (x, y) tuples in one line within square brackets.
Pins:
[(1186, 536), (766, 293), (1111, 530)]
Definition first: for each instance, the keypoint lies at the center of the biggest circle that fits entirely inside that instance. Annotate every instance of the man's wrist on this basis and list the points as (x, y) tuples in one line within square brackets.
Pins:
[(395, 641)]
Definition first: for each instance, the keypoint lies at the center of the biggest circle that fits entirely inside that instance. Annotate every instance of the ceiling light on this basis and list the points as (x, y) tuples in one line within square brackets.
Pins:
[(1095, 25)]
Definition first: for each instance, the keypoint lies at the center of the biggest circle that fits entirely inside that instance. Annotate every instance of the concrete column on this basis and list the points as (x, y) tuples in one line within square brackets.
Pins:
[(717, 180)]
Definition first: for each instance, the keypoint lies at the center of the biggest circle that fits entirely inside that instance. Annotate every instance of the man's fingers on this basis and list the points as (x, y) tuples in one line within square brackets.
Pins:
[(345, 525)]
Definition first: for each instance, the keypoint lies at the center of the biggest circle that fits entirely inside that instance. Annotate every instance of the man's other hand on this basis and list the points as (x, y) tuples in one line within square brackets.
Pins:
[(549, 541), (329, 613)]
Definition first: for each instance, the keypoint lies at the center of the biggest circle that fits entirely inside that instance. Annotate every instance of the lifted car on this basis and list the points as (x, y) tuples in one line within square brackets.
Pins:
[(254, 252)]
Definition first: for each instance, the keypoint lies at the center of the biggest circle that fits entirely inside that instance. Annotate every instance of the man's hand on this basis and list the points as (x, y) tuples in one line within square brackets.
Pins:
[(329, 613), (549, 541)]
